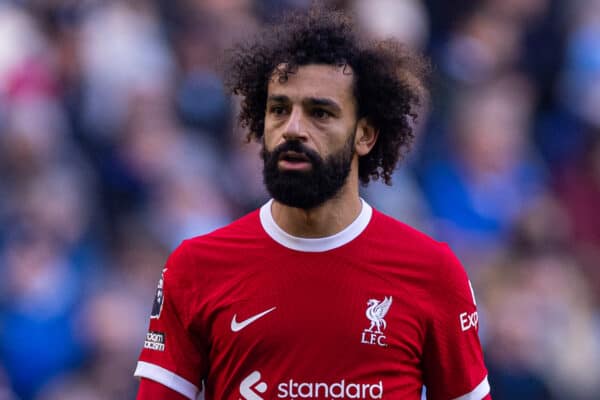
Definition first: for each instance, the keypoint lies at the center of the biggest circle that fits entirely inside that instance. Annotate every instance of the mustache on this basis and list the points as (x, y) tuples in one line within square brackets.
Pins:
[(291, 145)]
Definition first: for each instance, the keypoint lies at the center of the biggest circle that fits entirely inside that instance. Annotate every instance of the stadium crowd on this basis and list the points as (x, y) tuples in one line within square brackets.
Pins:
[(118, 140)]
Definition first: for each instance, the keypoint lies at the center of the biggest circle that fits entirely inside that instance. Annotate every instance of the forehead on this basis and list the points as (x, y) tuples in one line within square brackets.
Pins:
[(316, 81)]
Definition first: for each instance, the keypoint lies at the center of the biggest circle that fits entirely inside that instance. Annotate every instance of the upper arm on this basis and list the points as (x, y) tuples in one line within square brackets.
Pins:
[(452, 357), (172, 354)]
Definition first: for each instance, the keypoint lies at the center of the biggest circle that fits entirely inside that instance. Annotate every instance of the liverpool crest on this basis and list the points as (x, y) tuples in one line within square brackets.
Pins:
[(376, 312)]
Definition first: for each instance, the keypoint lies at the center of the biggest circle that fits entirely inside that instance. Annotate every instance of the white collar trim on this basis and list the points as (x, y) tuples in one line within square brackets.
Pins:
[(315, 244)]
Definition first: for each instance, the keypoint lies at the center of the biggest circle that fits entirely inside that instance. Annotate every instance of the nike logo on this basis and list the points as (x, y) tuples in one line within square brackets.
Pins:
[(238, 326)]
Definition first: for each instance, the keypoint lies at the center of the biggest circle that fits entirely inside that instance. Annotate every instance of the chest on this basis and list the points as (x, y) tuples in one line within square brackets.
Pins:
[(318, 315)]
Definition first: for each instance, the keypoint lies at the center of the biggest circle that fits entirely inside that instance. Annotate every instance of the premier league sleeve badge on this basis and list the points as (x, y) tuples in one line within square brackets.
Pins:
[(157, 305)]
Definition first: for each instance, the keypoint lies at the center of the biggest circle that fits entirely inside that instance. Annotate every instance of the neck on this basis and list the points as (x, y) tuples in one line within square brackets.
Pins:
[(324, 220)]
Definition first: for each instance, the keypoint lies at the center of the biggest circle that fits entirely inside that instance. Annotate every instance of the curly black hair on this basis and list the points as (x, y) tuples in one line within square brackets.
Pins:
[(388, 79)]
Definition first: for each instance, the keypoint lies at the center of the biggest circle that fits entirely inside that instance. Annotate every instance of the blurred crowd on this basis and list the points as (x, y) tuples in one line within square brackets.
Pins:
[(117, 141)]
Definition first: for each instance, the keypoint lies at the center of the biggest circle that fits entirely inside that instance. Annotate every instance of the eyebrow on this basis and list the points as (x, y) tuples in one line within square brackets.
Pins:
[(312, 101), (278, 99), (315, 101)]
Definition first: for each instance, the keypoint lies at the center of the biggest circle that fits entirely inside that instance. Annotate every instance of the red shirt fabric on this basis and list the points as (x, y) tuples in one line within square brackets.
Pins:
[(374, 312)]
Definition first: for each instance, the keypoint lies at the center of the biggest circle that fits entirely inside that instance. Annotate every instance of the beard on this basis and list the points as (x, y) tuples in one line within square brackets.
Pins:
[(307, 189)]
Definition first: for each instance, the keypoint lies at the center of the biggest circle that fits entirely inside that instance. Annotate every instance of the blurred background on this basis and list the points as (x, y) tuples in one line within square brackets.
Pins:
[(117, 141)]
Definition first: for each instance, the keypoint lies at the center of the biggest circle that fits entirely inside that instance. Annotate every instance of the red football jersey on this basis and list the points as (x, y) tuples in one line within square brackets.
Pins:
[(373, 312)]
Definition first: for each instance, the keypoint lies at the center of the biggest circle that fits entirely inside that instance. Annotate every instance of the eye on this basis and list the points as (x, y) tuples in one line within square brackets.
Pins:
[(277, 110), (320, 113)]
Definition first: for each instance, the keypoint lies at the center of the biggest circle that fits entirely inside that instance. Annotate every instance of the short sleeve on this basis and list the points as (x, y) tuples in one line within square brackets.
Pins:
[(172, 355), (453, 362)]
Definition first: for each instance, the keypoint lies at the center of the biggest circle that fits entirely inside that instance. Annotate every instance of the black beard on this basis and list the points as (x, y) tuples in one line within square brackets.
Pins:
[(307, 189)]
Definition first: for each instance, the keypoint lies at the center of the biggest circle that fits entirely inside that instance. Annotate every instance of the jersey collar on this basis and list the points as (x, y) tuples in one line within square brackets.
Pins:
[(315, 244)]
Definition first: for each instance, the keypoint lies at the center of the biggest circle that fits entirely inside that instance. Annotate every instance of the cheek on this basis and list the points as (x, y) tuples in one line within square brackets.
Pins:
[(269, 138)]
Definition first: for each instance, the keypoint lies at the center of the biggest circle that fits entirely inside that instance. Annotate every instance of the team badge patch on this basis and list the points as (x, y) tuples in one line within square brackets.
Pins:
[(376, 312), (159, 298)]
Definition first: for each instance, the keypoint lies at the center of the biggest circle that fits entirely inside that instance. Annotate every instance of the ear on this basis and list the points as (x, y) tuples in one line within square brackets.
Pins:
[(366, 136)]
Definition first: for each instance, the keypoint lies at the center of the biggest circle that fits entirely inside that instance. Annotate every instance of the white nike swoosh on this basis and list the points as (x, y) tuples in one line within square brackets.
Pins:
[(238, 326)]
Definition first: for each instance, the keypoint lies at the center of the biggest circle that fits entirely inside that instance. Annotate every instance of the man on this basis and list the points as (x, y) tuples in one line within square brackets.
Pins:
[(316, 295)]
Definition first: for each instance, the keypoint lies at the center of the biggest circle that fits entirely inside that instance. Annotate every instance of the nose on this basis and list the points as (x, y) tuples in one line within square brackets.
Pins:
[(295, 127)]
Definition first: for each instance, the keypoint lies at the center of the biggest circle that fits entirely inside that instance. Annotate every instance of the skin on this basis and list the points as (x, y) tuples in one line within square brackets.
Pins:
[(316, 106)]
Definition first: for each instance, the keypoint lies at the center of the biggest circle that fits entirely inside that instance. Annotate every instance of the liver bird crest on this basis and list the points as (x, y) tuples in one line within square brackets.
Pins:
[(376, 311)]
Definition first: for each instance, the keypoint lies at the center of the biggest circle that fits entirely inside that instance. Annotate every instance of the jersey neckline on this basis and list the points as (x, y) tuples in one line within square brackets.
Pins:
[(315, 244)]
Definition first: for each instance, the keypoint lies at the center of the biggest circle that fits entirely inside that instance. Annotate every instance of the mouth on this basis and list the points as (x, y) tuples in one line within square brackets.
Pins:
[(292, 160)]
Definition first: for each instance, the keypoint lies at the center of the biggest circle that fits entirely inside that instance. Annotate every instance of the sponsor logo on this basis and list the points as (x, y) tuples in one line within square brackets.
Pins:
[(376, 312), (159, 298), (468, 321), (337, 390), (251, 386), (238, 326), (155, 341)]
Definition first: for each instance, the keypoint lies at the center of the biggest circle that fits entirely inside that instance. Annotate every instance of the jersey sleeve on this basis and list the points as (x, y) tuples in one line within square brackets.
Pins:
[(172, 354), (452, 357)]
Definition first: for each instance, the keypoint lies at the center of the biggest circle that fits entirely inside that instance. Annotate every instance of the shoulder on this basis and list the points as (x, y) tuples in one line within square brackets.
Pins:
[(392, 232), (431, 258), (219, 248), (236, 235), (247, 226)]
